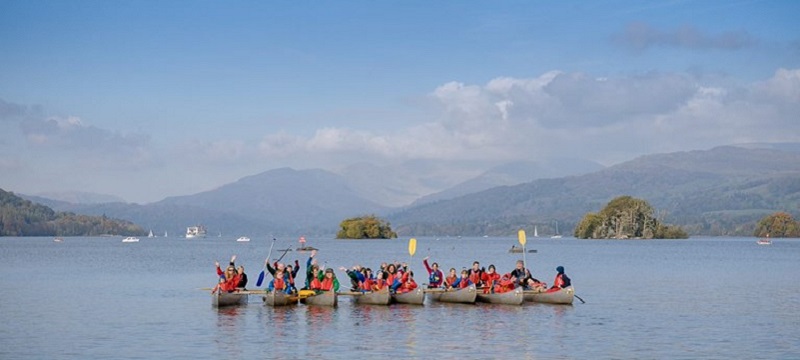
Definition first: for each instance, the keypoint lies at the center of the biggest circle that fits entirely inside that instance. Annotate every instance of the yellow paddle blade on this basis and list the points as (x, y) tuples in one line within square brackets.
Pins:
[(306, 293), (412, 246), (521, 236)]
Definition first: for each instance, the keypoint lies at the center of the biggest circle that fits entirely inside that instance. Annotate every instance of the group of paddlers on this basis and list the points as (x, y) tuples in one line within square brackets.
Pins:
[(489, 280), (397, 277)]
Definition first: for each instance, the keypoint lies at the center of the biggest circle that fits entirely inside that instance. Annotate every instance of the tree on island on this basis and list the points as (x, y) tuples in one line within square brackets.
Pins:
[(365, 227), (779, 224), (626, 217)]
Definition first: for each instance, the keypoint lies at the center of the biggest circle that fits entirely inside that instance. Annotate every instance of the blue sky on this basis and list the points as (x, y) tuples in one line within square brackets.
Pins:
[(147, 99)]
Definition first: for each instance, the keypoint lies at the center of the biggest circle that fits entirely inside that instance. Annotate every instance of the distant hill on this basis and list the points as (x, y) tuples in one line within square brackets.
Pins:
[(79, 197), (716, 192), (513, 174), (722, 191)]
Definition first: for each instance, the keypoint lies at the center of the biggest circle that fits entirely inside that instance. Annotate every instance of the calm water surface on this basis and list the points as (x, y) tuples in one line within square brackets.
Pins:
[(97, 298)]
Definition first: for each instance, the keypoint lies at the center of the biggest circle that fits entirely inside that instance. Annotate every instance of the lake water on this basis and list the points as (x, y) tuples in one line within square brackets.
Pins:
[(99, 298)]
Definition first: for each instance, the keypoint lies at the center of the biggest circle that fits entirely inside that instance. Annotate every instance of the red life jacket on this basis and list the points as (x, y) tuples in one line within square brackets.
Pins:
[(463, 283), (230, 284), (279, 284), (450, 280), (558, 282), (327, 284), (475, 277), (316, 284), (366, 285), (378, 285)]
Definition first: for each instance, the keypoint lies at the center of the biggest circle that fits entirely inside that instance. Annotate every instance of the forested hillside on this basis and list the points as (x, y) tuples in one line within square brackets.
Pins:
[(20, 217)]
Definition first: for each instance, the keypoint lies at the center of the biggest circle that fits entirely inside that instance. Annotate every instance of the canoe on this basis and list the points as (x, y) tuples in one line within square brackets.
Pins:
[(516, 250), (381, 297), (222, 299), (513, 297), (306, 248), (562, 296), (323, 298), (466, 295), (414, 297), (279, 298)]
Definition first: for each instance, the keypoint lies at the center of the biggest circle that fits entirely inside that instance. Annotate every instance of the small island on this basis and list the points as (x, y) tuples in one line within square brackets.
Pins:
[(365, 227), (626, 217)]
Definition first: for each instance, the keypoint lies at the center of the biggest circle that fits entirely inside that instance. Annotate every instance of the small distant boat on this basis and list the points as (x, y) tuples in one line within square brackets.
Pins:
[(764, 242), (243, 239), (58, 239), (165, 234), (513, 297), (303, 246), (557, 234), (150, 235), (413, 297), (222, 299), (563, 296), (198, 231), (535, 231), (130, 239), (518, 250)]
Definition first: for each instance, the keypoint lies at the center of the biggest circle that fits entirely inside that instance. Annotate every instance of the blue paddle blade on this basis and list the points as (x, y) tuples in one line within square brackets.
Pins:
[(260, 278)]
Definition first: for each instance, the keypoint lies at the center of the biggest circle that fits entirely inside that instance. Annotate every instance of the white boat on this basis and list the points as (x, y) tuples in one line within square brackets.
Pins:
[(764, 242), (535, 231), (558, 234), (165, 234), (198, 231), (130, 239), (150, 235), (243, 239)]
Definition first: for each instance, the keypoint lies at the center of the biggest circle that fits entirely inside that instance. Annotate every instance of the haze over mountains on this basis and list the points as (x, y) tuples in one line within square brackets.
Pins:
[(709, 192)]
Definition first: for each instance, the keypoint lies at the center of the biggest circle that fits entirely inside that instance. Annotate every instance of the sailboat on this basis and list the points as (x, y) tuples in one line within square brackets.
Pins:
[(151, 234), (557, 235), (165, 234), (535, 231)]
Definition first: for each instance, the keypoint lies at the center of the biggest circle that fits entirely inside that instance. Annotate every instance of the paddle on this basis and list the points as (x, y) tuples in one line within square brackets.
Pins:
[(522, 241), (284, 254), (412, 248), (579, 298), (261, 274)]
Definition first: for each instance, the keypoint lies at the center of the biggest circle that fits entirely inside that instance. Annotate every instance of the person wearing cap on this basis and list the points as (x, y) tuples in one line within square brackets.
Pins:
[(562, 280)]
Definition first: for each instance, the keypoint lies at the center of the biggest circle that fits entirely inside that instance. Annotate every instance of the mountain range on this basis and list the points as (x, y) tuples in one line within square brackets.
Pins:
[(721, 191)]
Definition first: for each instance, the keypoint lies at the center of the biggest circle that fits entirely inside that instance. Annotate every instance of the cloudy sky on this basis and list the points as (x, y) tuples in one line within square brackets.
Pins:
[(148, 99)]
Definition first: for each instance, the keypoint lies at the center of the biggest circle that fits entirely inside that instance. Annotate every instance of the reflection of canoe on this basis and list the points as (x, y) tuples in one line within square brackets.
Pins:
[(414, 297), (466, 295), (306, 248), (513, 297), (380, 297), (279, 298), (221, 299), (324, 298), (561, 296)]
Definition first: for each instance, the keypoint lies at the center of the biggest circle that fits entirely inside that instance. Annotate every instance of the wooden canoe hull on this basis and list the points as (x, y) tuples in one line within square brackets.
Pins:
[(514, 297), (413, 297), (467, 295), (325, 298), (222, 299), (381, 297), (279, 298), (564, 296)]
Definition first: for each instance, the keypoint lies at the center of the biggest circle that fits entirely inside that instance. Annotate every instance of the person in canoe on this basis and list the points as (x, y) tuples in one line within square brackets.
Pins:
[(435, 276), (360, 278), (326, 282), (451, 279), (561, 281), (392, 276), (489, 278), (463, 281), (504, 284), (242, 277), (476, 273), (291, 274), (279, 283), (406, 283), (523, 277), (229, 279), (312, 269)]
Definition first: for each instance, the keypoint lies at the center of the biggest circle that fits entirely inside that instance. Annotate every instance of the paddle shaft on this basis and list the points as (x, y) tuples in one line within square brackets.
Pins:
[(261, 274), (579, 298)]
